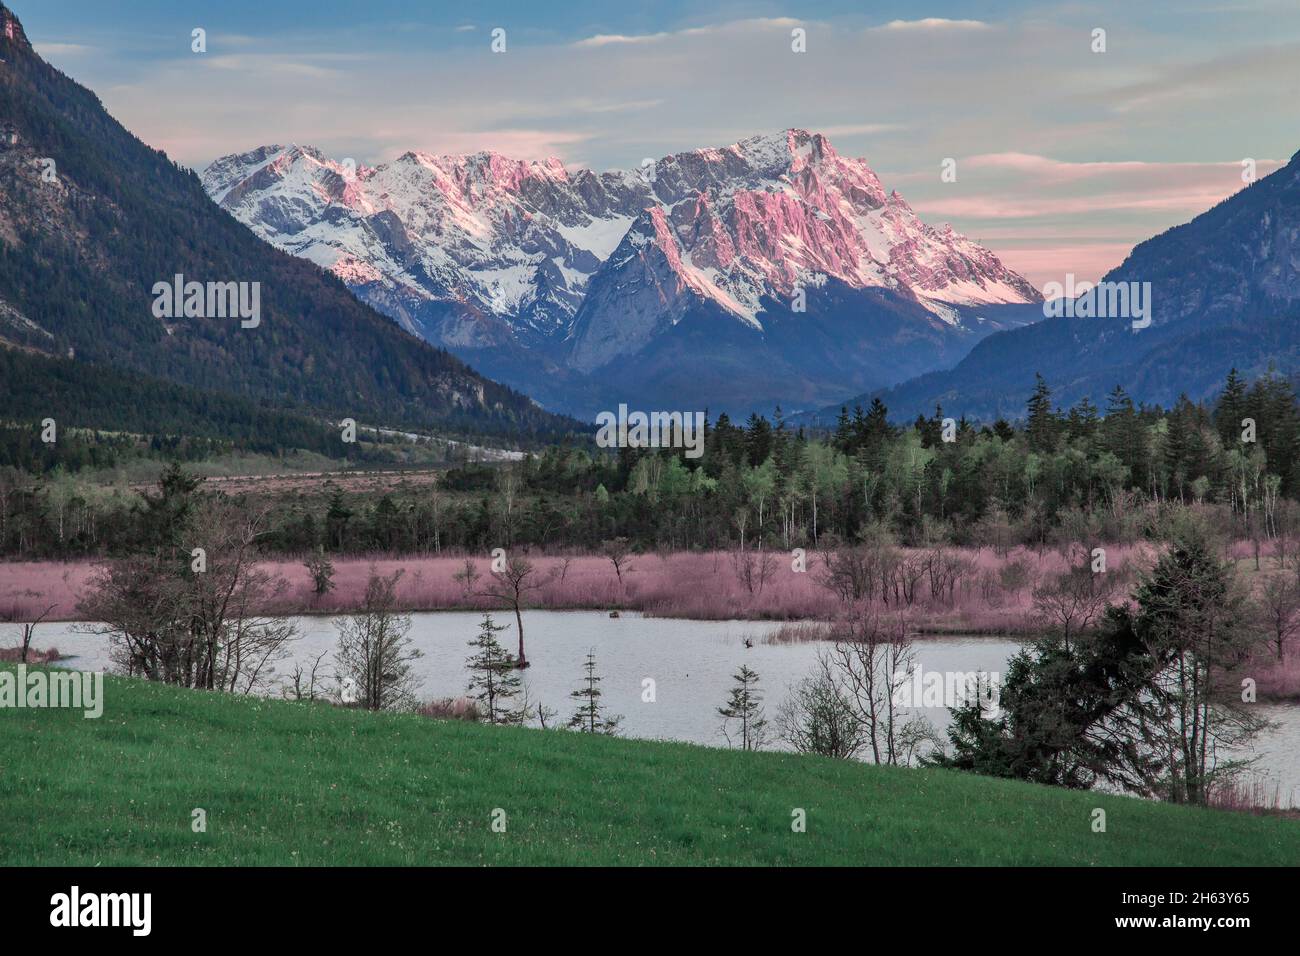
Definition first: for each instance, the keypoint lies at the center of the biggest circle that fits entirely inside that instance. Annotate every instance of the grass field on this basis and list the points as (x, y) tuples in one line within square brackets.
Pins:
[(287, 783)]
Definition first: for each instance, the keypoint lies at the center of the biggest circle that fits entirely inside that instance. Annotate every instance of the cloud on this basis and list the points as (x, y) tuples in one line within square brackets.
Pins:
[(519, 143), (1046, 217), (625, 107), (861, 129), (269, 64), (1011, 185), (754, 23), (1050, 156), (1050, 263), (1263, 72), (612, 39), (48, 50), (932, 23)]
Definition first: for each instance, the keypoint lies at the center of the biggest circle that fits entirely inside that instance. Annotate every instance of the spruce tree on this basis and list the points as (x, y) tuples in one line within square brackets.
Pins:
[(745, 706), (1231, 410), (494, 678), (844, 431), (1040, 427), (589, 717)]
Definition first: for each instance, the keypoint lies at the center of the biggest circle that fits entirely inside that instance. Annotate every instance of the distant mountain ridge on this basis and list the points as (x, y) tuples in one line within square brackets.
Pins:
[(91, 219), (704, 276), (1225, 293)]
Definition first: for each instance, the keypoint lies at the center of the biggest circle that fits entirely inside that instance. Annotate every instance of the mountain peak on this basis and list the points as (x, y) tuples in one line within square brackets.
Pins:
[(789, 149), (473, 251), (522, 238)]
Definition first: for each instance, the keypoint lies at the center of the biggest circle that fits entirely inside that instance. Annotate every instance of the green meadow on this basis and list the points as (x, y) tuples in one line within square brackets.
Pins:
[(284, 783)]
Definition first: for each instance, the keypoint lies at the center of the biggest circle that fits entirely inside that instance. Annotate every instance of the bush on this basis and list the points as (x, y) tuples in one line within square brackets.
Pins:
[(451, 708)]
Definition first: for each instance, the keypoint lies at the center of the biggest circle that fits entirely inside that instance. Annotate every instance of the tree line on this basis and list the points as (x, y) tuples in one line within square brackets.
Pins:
[(1059, 474)]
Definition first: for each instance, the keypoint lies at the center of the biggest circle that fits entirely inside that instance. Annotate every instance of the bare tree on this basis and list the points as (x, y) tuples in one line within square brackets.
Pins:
[(849, 573), (511, 586), (373, 651), (508, 485), (872, 663), (29, 629), (1073, 601), (1279, 609), (302, 682), (467, 577), (620, 555), (818, 717), (195, 621), (321, 571), (753, 569), (237, 646)]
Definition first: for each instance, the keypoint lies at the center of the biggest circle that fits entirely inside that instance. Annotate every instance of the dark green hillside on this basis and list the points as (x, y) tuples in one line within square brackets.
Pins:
[(79, 258)]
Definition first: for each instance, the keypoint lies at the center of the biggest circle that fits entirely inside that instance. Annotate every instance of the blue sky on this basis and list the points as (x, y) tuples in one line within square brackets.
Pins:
[(1065, 157)]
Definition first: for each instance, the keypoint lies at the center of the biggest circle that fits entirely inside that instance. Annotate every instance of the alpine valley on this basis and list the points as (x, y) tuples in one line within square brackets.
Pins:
[(769, 272)]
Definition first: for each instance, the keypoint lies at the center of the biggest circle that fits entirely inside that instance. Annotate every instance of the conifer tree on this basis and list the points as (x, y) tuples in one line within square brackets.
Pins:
[(1231, 410), (494, 678), (1040, 427), (590, 717), (745, 707)]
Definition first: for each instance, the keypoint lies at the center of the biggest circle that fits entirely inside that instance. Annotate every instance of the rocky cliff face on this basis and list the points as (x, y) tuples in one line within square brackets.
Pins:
[(532, 269)]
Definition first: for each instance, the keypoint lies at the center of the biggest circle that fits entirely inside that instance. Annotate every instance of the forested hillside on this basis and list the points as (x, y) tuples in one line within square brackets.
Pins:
[(91, 218)]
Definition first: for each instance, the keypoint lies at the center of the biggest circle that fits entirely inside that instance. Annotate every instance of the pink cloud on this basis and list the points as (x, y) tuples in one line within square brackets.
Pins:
[(1043, 264)]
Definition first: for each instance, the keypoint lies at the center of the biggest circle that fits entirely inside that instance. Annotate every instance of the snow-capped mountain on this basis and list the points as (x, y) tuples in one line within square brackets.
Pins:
[(558, 280)]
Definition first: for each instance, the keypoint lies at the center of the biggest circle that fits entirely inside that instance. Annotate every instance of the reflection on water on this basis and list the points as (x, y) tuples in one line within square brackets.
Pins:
[(690, 662)]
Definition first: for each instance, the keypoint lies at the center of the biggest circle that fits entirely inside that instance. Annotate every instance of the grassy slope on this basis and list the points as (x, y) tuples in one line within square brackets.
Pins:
[(287, 783)]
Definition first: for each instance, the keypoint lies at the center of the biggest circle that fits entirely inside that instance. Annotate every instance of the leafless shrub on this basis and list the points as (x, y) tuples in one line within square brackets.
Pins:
[(820, 717), (753, 569), (303, 682), (871, 665), (1278, 606), (451, 708), (169, 622), (374, 653)]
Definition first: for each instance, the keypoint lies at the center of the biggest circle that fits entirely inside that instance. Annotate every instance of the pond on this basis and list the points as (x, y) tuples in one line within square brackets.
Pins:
[(690, 662)]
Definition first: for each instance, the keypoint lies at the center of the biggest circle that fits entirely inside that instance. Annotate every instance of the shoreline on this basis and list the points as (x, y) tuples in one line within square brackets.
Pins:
[(681, 585), (993, 598)]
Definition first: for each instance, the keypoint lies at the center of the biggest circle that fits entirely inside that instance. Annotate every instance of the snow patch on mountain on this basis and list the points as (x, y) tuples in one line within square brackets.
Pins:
[(740, 226)]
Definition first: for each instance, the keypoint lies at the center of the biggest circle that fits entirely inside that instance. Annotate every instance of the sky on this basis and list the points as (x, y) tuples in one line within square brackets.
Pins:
[(1065, 156)]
